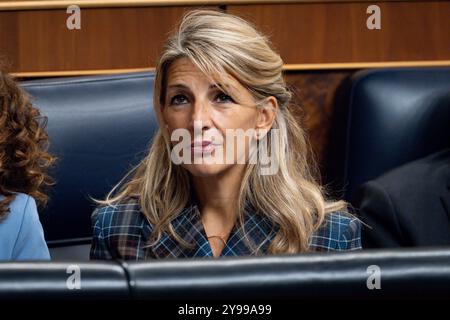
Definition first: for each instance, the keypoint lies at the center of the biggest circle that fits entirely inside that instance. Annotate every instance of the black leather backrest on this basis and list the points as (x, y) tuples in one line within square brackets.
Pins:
[(395, 116), (423, 273), (99, 127), (405, 273), (57, 280)]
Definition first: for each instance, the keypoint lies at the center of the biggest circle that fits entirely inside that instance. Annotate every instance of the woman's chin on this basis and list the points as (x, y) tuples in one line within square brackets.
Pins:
[(204, 170)]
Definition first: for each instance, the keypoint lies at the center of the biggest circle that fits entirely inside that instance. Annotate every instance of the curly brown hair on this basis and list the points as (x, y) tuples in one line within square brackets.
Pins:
[(24, 159)]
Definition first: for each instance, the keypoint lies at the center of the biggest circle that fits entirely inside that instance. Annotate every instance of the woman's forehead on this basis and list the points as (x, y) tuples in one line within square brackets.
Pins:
[(181, 68), (183, 71)]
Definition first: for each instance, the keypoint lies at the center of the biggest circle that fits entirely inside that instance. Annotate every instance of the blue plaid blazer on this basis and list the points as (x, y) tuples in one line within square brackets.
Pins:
[(123, 232)]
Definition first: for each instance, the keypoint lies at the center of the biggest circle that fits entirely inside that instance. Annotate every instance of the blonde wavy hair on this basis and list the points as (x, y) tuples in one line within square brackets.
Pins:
[(219, 43)]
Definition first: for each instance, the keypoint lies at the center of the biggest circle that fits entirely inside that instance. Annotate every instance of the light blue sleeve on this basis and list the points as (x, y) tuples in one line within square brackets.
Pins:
[(30, 244)]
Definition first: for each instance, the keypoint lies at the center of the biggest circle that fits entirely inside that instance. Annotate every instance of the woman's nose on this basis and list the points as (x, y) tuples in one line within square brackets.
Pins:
[(201, 116)]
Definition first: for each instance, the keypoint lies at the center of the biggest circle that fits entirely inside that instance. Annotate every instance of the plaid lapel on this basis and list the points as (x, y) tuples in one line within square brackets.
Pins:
[(188, 225), (256, 233)]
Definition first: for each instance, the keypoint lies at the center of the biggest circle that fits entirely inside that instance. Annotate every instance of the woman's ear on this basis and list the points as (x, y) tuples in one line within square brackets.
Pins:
[(266, 116)]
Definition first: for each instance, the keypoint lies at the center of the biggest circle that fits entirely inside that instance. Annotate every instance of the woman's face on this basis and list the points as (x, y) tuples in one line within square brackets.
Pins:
[(208, 115)]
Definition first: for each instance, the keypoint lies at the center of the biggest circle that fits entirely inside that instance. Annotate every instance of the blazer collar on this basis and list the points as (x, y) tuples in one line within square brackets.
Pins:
[(257, 229)]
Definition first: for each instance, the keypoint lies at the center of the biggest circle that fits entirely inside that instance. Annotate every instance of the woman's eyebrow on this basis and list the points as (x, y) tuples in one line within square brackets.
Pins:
[(183, 86)]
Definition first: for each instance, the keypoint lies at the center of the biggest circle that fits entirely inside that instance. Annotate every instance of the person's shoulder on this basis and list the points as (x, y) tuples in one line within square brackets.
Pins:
[(339, 231), (19, 208), (22, 202), (128, 207), (421, 172), (114, 218), (22, 231), (22, 206)]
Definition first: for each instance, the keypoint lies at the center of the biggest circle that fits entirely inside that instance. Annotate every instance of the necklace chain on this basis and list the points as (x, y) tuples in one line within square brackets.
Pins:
[(221, 239)]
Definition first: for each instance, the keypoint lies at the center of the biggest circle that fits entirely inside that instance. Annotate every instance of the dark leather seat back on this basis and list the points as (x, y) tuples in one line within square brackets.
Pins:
[(59, 280), (99, 127), (349, 275), (395, 116), (384, 274)]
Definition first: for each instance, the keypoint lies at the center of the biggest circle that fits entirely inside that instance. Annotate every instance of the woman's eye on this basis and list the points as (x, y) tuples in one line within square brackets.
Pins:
[(222, 97), (178, 99)]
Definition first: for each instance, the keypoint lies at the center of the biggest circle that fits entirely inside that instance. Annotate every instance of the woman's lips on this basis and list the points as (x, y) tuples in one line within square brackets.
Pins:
[(201, 147), (203, 143)]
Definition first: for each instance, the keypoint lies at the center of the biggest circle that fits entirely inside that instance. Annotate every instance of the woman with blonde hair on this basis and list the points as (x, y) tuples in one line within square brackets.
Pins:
[(24, 162), (218, 77)]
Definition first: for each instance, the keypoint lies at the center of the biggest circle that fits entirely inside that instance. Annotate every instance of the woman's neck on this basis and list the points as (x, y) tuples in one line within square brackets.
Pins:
[(218, 195)]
